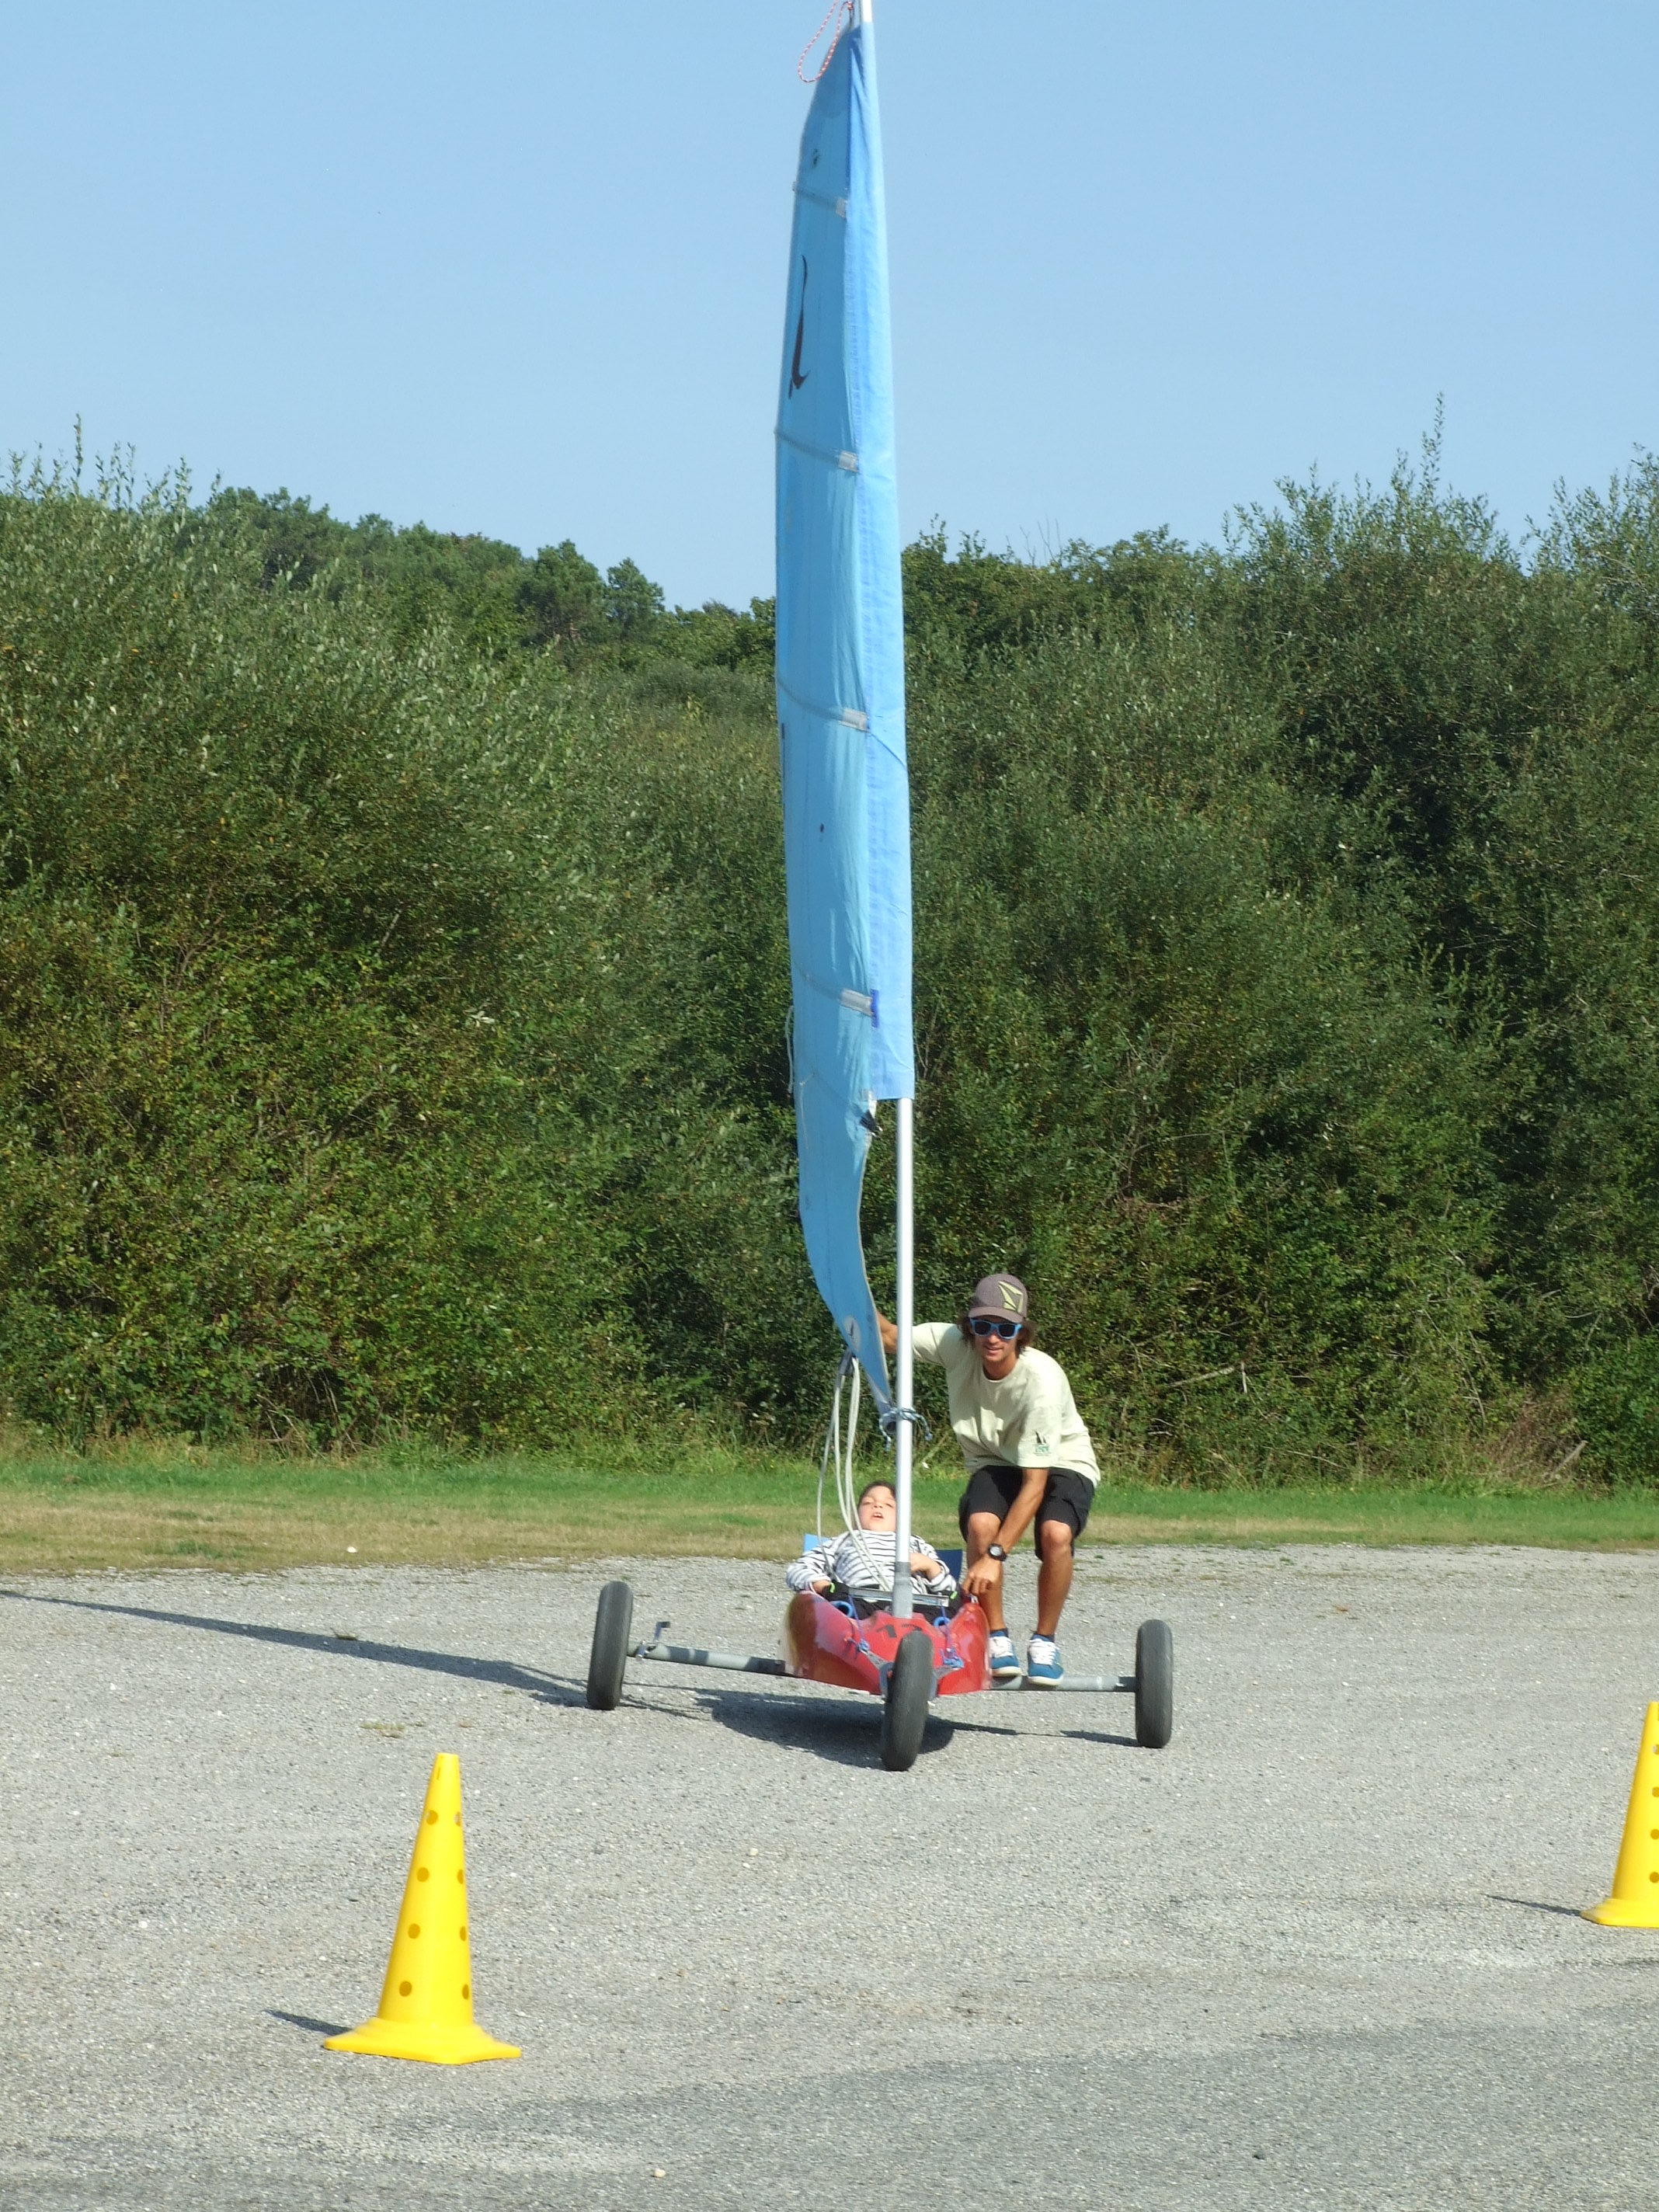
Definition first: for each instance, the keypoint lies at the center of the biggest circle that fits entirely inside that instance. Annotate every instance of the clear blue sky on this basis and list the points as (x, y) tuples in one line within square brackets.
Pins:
[(518, 265)]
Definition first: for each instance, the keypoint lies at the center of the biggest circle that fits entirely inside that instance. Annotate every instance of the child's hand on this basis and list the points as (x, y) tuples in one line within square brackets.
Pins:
[(922, 1563), (823, 1589)]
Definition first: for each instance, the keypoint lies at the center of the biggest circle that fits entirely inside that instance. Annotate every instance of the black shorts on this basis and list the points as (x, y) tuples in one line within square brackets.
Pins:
[(1068, 1498)]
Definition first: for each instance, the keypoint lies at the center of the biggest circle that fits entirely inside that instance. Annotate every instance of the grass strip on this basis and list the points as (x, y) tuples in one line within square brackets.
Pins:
[(161, 1506)]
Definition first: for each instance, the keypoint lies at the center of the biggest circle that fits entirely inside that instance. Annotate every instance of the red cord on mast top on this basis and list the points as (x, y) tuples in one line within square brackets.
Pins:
[(844, 9)]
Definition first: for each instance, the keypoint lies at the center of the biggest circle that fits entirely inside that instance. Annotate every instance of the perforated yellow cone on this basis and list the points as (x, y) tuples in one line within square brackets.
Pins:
[(1635, 1900), (426, 2007)]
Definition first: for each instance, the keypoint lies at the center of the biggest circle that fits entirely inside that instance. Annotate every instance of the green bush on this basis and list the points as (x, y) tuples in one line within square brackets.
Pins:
[(393, 985), (1616, 1400), (293, 1054)]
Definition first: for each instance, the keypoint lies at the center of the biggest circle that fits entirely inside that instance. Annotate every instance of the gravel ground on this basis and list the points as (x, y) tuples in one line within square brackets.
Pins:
[(1323, 1951)]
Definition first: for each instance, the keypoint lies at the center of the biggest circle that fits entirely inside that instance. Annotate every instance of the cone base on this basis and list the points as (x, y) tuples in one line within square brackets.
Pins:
[(435, 2046), (1626, 1913)]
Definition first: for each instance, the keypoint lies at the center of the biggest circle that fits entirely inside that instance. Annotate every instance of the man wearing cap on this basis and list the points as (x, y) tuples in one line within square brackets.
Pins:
[(1029, 1457)]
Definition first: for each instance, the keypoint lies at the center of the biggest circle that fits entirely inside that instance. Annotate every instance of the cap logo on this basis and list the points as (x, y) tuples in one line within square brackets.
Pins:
[(1010, 1297)]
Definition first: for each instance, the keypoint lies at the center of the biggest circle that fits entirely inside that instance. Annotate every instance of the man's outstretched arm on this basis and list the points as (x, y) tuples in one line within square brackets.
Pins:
[(986, 1574)]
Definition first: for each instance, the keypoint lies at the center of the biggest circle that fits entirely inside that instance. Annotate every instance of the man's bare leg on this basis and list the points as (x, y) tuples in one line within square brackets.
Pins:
[(982, 1535), (1053, 1576)]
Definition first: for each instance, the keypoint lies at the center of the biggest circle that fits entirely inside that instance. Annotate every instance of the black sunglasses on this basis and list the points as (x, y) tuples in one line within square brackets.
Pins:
[(982, 1324)]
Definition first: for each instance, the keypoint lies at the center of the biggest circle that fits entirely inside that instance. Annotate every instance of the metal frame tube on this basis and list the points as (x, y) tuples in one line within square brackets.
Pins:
[(735, 1662), (683, 1655), (1096, 1685)]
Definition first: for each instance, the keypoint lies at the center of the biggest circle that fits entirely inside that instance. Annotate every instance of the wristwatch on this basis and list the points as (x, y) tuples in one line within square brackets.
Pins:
[(995, 1552)]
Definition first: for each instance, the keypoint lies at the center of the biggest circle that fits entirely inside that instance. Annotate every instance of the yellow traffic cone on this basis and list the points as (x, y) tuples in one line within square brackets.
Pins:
[(1635, 1900), (426, 2007)]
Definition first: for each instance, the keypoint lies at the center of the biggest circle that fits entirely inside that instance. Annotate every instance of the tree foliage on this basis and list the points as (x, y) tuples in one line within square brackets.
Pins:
[(393, 986)]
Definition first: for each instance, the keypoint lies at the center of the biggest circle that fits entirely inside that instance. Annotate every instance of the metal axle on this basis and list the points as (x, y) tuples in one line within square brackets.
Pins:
[(734, 1663)]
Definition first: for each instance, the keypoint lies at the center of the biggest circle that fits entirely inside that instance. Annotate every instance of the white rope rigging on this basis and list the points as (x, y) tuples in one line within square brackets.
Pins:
[(839, 1446)]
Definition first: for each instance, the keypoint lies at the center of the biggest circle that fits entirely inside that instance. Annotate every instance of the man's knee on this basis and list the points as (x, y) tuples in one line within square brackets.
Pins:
[(983, 1529), (1054, 1538)]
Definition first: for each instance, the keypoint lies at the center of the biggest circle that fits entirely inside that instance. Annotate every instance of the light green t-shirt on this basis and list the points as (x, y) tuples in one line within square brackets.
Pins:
[(1030, 1419)]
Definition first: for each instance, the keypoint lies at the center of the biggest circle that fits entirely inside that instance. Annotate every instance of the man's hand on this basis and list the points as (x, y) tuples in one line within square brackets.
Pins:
[(982, 1577), (889, 1332), (985, 1575)]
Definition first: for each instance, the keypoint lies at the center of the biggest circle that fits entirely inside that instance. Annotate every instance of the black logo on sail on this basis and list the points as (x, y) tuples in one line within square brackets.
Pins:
[(798, 375)]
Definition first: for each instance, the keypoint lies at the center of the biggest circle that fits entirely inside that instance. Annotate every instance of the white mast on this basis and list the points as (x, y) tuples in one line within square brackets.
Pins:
[(904, 1316), (904, 1433)]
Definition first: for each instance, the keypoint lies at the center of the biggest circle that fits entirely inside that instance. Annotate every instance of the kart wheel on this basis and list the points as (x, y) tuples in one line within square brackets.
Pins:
[(613, 1626), (904, 1712), (1154, 1684)]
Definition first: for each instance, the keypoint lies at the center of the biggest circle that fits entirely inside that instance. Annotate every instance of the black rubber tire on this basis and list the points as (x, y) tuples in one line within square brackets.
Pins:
[(1154, 1684), (613, 1632), (904, 1710)]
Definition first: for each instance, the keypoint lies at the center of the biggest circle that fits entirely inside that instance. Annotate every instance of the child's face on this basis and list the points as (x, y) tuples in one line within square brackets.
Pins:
[(879, 1509)]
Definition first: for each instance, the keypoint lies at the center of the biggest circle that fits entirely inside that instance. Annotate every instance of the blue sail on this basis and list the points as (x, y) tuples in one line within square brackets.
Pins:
[(841, 681)]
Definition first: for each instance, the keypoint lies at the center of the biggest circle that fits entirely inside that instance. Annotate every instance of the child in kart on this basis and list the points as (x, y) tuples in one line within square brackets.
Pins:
[(862, 1565)]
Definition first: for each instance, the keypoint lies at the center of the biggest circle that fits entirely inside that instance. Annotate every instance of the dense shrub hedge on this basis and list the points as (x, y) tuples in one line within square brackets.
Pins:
[(393, 985)]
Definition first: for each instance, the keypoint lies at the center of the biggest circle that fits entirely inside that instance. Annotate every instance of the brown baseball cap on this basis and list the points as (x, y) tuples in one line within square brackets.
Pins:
[(1002, 1297)]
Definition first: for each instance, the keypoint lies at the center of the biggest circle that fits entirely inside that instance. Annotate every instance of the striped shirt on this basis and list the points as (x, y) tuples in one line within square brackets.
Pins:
[(863, 1565)]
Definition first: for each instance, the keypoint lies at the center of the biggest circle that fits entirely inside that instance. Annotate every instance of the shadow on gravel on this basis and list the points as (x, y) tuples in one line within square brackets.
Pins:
[(304, 2020), (985, 1727), (1535, 1905), (846, 1735), (551, 1689)]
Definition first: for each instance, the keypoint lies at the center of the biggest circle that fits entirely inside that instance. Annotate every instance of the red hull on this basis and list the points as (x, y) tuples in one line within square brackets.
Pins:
[(822, 1644)]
